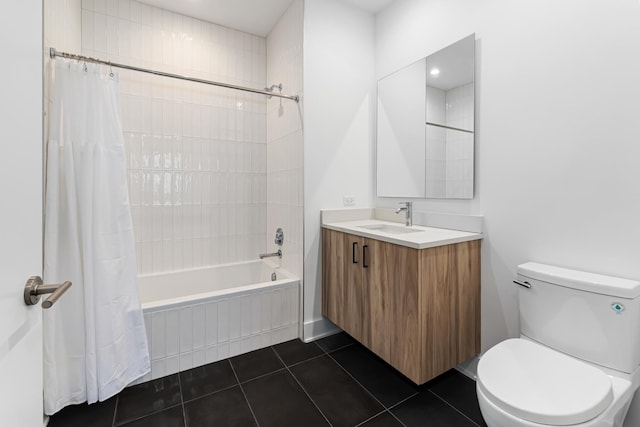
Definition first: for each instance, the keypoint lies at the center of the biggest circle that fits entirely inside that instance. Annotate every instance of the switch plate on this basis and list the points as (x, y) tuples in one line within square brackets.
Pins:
[(349, 200)]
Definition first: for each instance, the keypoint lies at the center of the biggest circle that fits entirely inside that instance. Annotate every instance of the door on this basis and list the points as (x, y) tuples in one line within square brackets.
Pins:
[(21, 212)]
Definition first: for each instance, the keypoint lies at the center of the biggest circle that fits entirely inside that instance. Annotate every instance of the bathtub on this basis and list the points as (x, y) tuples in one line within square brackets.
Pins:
[(199, 316)]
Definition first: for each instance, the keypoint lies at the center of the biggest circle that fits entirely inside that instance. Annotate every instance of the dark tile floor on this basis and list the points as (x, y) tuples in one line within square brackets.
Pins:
[(332, 382)]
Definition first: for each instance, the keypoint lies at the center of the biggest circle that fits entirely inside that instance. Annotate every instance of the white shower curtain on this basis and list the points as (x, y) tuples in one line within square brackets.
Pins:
[(94, 337)]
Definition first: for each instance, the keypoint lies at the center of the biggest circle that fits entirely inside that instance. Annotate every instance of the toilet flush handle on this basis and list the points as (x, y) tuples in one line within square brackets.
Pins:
[(524, 284)]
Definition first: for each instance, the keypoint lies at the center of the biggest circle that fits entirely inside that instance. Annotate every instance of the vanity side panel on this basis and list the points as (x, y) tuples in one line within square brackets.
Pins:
[(402, 284), (333, 262), (436, 300), (467, 278), (450, 306)]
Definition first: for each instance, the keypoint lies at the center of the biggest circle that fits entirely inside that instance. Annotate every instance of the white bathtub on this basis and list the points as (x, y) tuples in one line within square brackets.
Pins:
[(199, 316)]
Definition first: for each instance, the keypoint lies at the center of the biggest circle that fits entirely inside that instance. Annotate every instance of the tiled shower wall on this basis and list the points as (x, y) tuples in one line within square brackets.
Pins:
[(197, 154), (285, 137)]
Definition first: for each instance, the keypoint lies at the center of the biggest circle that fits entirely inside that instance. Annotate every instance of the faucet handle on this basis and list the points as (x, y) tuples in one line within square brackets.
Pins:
[(407, 204), (279, 240)]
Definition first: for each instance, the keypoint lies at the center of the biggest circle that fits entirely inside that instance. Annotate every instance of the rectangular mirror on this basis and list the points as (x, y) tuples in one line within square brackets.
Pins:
[(425, 126)]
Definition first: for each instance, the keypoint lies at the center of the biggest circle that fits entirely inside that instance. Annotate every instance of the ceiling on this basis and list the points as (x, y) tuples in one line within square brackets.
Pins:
[(251, 16), (373, 6)]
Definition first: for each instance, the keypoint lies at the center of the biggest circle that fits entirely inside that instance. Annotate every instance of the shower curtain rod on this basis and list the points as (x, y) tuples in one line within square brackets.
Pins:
[(53, 53)]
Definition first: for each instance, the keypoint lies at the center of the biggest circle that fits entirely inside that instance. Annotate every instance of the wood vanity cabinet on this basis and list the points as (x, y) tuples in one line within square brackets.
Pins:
[(418, 309)]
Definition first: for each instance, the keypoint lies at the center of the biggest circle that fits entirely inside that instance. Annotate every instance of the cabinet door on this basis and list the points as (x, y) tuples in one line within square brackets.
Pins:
[(356, 317), (379, 298), (333, 261)]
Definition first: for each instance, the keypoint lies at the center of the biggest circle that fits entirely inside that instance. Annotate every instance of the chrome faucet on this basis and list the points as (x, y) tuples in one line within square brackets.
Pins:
[(272, 254), (407, 208)]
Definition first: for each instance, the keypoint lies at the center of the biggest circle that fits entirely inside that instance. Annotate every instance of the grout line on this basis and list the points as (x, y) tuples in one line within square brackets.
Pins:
[(397, 419), (303, 389), (216, 391), (335, 349), (456, 409), (306, 360), (124, 424), (209, 394), (403, 400), (263, 375), (400, 403), (370, 418), (115, 409), (184, 415), (357, 382), (243, 393)]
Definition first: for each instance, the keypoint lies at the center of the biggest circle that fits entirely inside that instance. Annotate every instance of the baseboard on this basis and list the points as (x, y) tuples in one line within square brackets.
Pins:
[(318, 328)]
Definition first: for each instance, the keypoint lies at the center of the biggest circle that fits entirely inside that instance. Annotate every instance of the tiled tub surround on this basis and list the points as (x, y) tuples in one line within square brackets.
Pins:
[(199, 316), (285, 136), (197, 154)]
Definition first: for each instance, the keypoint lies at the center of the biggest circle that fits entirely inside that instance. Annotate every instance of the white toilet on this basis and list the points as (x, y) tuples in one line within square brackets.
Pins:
[(577, 360)]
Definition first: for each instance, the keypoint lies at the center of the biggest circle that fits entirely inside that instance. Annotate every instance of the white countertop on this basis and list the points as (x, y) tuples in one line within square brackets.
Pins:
[(427, 237)]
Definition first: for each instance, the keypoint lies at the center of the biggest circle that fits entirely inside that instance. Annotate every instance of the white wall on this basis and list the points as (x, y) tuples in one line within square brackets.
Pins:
[(339, 104), (557, 134)]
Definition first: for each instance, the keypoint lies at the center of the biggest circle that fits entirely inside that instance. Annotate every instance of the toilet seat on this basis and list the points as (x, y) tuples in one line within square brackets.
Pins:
[(538, 384)]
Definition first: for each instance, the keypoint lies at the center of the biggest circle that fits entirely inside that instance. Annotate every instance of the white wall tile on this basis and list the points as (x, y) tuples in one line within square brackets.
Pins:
[(179, 349), (211, 354), (211, 323), (186, 361), (199, 319), (131, 32), (199, 357), (235, 313), (158, 368), (276, 308), (173, 365), (158, 335), (235, 348), (173, 331), (223, 320), (223, 350), (186, 329)]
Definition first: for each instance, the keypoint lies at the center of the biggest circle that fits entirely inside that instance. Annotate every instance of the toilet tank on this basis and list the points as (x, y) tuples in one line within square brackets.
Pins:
[(589, 316)]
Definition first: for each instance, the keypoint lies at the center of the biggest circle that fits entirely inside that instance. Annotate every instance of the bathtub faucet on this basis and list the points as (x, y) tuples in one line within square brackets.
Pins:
[(272, 254)]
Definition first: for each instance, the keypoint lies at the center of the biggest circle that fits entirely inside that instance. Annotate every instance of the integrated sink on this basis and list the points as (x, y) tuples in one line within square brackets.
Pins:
[(391, 229)]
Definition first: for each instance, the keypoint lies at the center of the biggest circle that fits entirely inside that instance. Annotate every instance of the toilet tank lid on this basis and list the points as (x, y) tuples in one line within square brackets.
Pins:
[(590, 282)]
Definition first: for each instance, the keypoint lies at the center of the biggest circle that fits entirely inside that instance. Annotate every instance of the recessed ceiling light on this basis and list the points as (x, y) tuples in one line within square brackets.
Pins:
[(434, 71)]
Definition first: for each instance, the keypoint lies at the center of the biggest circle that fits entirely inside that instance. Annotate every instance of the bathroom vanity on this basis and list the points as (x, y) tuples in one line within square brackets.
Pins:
[(409, 294)]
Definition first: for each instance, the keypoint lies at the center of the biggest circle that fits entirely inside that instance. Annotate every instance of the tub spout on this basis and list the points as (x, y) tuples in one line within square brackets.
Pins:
[(272, 254)]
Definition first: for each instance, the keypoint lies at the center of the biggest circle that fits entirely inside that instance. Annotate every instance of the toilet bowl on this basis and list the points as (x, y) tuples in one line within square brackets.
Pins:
[(577, 361), (525, 384)]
